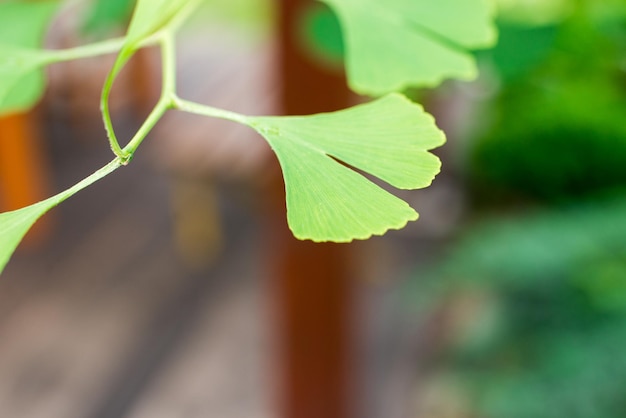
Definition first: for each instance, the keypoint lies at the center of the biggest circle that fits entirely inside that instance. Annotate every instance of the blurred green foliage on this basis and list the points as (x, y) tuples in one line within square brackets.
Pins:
[(558, 131), (547, 336), (538, 300), (320, 34)]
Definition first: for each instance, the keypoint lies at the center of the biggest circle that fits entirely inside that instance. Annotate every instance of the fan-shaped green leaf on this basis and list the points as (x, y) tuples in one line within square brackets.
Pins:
[(329, 201), (394, 44), (15, 224), (22, 26)]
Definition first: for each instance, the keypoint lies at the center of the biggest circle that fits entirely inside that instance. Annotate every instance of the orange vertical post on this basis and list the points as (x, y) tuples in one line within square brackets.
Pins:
[(22, 165), (313, 288)]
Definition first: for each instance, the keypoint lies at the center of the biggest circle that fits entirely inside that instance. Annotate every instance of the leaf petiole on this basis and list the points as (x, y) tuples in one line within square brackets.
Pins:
[(162, 106), (121, 60), (205, 110), (15, 224), (109, 46), (166, 101), (168, 63)]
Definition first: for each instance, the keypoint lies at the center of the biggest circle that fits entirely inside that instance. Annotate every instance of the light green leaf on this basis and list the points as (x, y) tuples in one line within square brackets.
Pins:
[(15, 224), (330, 201), (22, 26), (152, 15), (394, 44)]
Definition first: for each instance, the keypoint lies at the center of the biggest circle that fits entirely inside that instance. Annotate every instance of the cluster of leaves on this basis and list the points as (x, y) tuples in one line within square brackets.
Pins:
[(548, 343), (404, 42)]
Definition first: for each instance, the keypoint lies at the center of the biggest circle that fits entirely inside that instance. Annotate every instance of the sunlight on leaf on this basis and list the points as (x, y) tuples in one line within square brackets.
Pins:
[(395, 44), (330, 201), (22, 27), (15, 224)]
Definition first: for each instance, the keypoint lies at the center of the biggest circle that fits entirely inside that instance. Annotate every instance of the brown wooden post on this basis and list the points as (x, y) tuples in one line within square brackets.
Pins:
[(313, 288)]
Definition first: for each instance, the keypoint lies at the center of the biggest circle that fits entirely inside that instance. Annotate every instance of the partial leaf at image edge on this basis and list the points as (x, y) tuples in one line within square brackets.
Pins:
[(15, 224), (328, 200), (397, 44), (150, 16), (22, 27)]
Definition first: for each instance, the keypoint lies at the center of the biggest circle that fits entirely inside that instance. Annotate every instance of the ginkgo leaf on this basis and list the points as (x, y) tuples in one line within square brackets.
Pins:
[(394, 44), (22, 26), (15, 224), (327, 200)]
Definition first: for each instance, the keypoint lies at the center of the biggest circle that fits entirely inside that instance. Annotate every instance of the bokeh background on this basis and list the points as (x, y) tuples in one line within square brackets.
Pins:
[(172, 288)]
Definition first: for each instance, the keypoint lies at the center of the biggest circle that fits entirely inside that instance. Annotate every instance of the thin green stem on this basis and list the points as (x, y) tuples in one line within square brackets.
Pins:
[(168, 99), (165, 39), (162, 106), (168, 64), (168, 91), (123, 57), (102, 172), (108, 46), (205, 110)]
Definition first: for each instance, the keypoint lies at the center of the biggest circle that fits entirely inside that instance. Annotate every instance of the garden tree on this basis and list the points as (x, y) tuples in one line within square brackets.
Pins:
[(388, 46)]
